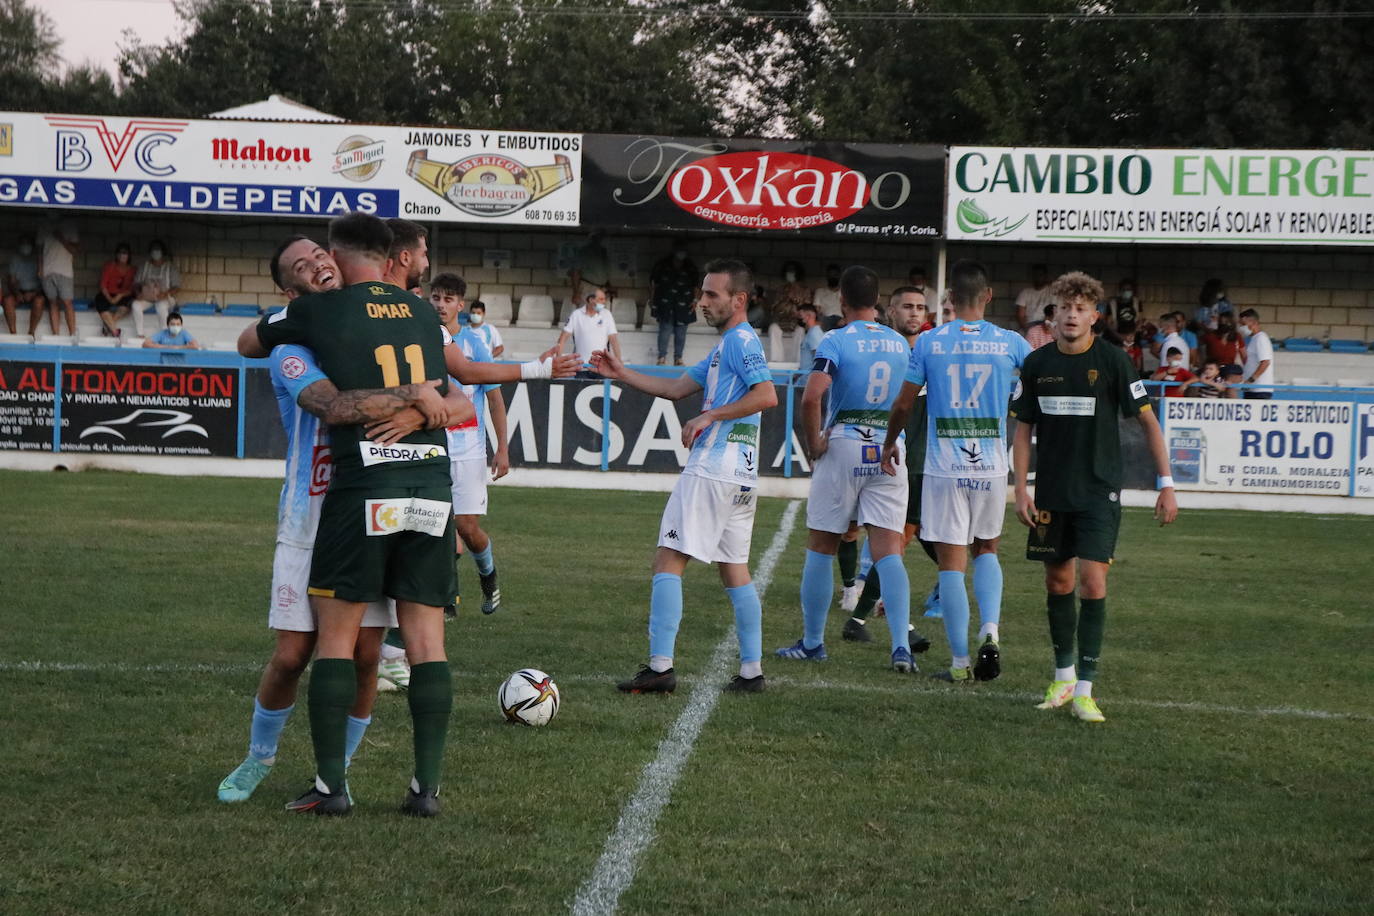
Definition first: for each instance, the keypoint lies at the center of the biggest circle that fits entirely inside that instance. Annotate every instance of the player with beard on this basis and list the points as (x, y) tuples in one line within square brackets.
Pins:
[(304, 398), (1072, 393)]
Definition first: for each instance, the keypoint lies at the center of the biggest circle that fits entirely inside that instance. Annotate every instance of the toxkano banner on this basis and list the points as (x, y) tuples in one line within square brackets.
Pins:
[(1251, 446), (289, 169), (1307, 197)]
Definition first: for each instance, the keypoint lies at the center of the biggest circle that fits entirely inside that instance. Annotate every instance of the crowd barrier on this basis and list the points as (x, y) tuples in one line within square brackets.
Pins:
[(1306, 441)]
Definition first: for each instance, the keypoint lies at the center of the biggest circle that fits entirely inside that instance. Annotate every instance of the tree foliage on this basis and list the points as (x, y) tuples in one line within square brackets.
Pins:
[(1020, 72)]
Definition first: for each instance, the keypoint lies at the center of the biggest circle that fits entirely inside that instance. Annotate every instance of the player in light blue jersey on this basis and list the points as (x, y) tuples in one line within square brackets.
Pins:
[(305, 397), (858, 365), (710, 515), (968, 368)]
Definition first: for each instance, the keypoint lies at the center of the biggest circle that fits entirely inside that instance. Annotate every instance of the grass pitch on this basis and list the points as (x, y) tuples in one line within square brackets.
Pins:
[(1233, 773)]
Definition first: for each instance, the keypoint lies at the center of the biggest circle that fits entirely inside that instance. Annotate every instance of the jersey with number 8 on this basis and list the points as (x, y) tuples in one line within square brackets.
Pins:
[(864, 360), (968, 368), (371, 335)]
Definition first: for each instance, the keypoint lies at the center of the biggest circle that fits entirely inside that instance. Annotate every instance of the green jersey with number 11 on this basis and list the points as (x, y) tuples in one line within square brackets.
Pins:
[(371, 335)]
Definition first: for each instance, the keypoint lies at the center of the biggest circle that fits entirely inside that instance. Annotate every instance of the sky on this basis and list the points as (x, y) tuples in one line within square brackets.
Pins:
[(90, 30)]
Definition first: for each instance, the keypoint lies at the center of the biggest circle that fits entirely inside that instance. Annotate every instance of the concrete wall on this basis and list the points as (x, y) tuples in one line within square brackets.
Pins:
[(1316, 292)]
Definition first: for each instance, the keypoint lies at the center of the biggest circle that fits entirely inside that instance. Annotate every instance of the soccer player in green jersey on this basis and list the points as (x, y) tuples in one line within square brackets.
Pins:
[(1073, 392)]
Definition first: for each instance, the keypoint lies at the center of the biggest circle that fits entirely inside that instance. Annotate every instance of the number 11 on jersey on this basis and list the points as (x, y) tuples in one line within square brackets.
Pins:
[(386, 359)]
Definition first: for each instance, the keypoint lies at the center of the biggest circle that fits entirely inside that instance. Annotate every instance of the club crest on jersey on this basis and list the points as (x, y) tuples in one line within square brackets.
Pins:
[(869, 454), (372, 453), (377, 290), (293, 367), (390, 516), (1092, 376)]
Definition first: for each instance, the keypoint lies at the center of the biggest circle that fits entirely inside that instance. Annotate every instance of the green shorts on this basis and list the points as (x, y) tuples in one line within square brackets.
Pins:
[(388, 543), (1088, 534)]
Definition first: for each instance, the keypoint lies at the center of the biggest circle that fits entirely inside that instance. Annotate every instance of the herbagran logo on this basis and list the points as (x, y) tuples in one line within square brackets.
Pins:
[(489, 184), (372, 453), (392, 516)]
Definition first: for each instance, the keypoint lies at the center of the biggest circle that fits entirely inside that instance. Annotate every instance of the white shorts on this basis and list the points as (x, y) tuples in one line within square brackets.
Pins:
[(709, 520), (848, 485), (469, 486), (290, 608), (955, 510)]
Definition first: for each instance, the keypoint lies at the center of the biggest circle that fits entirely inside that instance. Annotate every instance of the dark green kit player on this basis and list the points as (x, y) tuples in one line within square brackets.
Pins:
[(1073, 392), (386, 524)]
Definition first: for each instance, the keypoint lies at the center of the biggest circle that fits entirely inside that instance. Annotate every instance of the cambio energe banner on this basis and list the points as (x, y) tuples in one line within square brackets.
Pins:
[(289, 169), (1308, 197)]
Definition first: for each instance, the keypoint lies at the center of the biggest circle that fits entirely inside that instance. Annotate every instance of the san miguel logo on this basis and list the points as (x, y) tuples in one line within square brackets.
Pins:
[(257, 154), (358, 158), (489, 184), (143, 138), (756, 189)]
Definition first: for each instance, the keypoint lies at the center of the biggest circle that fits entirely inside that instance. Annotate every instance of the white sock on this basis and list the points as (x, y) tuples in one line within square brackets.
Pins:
[(660, 663), (392, 651), (750, 669), (988, 629), (1065, 674), (960, 661), (1083, 689)]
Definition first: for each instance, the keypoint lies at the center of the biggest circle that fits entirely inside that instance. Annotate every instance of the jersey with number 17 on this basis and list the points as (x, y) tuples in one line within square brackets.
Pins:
[(969, 370)]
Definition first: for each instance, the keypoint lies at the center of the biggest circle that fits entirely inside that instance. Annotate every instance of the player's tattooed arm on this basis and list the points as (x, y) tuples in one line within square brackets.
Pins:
[(368, 405)]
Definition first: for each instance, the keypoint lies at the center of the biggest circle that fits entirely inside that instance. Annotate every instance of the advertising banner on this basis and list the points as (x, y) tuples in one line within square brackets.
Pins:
[(149, 410), (1363, 448), (288, 169), (26, 405), (880, 191), (1243, 446), (1306, 197)]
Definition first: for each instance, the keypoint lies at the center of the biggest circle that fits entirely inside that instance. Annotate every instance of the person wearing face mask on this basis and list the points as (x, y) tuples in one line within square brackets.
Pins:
[(673, 291), (174, 337), (158, 283), (782, 309), (477, 321), (1224, 345), (1259, 357), (826, 299), (1123, 309), (1175, 372), (116, 288), (22, 286)]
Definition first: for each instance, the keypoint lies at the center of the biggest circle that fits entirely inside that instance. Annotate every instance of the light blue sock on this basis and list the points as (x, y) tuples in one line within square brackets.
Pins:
[(266, 730), (865, 560), (987, 588), (483, 560), (896, 592), (817, 587), (353, 736), (665, 613), (748, 621), (954, 602)]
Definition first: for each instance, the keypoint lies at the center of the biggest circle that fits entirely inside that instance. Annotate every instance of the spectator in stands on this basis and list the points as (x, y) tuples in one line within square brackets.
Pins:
[(1232, 376), (1175, 371), (1212, 304), (1190, 331), (1032, 300), (809, 319), (158, 282), (1208, 384), (175, 337), (1224, 345), (60, 245), (916, 279), (111, 303), (477, 320), (591, 271), (782, 307), (22, 286), (1123, 309), (826, 299), (1168, 337), (1259, 357), (1042, 332), (672, 300), (590, 328)]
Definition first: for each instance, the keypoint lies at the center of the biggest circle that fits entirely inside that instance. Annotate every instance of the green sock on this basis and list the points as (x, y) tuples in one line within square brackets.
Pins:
[(333, 688), (394, 638), (1063, 620), (431, 701), (1092, 621), (868, 598), (849, 561)]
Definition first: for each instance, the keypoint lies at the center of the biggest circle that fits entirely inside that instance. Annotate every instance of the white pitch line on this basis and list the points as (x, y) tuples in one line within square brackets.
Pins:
[(634, 832)]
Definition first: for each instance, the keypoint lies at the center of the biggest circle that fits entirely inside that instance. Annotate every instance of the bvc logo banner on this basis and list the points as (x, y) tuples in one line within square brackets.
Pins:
[(1311, 197)]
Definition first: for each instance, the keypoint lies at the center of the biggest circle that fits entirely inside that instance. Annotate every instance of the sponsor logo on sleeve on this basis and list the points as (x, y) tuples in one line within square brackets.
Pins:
[(372, 453), (392, 516), (1068, 406), (293, 367), (1138, 389)]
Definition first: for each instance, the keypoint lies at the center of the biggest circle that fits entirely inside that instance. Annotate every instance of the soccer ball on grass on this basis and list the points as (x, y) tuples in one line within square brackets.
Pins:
[(529, 697)]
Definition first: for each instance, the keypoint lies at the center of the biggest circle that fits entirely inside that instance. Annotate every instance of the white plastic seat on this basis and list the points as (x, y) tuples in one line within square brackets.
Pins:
[(498, 307), (623, 311), (536, 311), (1353, 383), (16, 340), (54, 340), (99, 341), (1310, 382)]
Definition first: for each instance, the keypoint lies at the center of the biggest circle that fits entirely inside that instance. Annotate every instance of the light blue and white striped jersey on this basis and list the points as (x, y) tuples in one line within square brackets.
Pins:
[(728, 450), (968, 368), (865, 361), (309, 465), (469, 440)]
